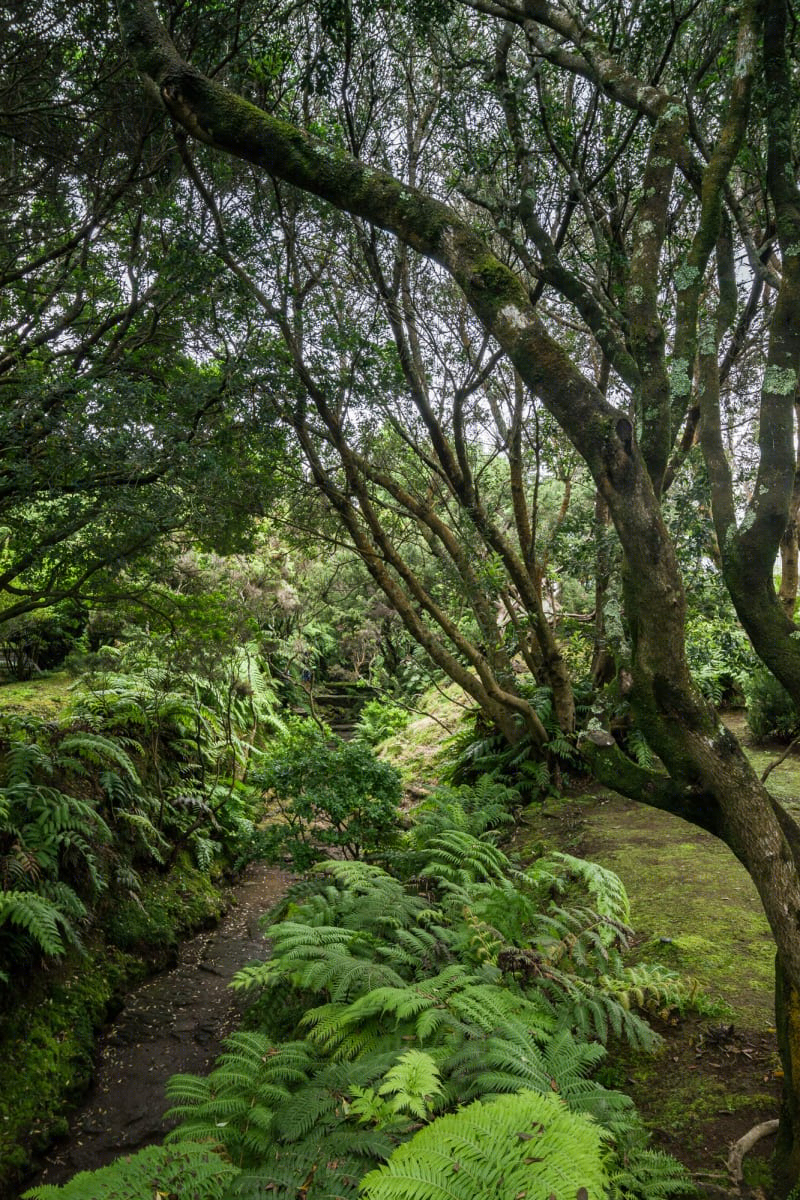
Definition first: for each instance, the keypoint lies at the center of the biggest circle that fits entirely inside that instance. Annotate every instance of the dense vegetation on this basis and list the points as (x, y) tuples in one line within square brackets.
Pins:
[(356, 348), (457, 984)]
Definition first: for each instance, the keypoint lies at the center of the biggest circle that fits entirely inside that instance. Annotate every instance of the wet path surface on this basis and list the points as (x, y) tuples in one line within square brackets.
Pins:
[(174, 1022)]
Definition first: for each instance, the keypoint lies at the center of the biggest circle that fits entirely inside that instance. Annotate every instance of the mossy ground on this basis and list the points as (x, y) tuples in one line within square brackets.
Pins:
[(45, 695), (694, 909), (420, 750), (47, 1036)]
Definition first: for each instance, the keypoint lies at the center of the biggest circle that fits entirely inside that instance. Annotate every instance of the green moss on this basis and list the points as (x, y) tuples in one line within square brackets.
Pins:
[(757, 1173), (420, 750), (169, 906), (682, 1104), (48, 1041), (693, 899), (46, 696)]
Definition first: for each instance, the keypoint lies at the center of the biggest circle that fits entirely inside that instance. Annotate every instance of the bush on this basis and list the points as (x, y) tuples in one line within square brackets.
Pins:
[(720, 657), (771, 712), (328, 793), (39, 641), (379, 720)]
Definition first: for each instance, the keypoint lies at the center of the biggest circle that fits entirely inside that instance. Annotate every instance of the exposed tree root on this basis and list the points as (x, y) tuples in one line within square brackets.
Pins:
[(746, 1143)]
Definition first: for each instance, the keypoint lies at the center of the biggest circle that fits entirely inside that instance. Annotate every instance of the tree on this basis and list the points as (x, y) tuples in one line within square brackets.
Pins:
[(124, 409), (631, 77)]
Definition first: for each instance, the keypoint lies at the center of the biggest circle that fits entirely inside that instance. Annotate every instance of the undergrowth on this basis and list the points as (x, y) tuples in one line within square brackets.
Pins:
[(426, 1027)]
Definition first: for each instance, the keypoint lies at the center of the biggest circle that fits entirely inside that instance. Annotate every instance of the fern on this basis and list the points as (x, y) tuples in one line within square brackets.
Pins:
[(479, 991), (636, 742), (524, 1145), (635, 1171), (410, 1085), (605, 887), (186, 1170), (24, 761), (461, 857), (42, 920), (96, 750)]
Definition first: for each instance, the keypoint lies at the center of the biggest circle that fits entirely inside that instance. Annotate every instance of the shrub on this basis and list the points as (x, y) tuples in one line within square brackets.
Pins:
[(328, 793), (771, 712), (720, 657), (379, 720), (39, 641)]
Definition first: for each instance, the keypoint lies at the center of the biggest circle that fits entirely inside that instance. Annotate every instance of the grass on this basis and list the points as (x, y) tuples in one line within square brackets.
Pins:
[(45, 696), (420, 750)]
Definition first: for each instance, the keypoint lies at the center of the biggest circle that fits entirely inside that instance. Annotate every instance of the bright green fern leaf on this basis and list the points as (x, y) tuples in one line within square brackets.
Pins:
[(523, 1145)]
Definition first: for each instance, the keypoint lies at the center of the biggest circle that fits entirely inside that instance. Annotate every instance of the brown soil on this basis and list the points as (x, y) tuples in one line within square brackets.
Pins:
[(173, 1023)]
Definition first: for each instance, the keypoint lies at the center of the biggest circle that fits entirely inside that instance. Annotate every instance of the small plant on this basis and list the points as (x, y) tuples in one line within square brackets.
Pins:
[(379, 720), (523, 1145), (188, 1169), (327, 792), (770, 709)]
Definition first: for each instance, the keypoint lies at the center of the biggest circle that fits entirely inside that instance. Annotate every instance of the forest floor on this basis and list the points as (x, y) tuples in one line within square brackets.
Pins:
[(695, 910)]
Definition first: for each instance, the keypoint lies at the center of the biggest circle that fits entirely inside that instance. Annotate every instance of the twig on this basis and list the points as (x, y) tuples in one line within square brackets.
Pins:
[(778, 761)]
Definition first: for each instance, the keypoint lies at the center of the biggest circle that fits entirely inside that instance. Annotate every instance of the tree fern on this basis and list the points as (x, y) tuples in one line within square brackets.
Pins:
[(524, 1145)]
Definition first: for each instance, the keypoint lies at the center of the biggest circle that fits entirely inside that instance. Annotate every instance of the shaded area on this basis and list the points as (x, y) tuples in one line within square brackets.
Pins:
[(174, 1022), (694, 909)]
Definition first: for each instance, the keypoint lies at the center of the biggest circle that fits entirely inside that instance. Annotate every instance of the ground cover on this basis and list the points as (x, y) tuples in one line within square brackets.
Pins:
[(694, 909)]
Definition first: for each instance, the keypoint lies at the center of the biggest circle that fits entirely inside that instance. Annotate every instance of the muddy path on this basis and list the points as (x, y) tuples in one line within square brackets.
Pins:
[(174, 1022)]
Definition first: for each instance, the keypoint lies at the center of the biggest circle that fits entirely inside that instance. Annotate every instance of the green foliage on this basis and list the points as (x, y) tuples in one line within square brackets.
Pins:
[(720, 656), (406, 997), (39, 640), (188, 1169), (522, 1145), (605, 888), (145, 761), (771, 711), (49, 835), (378, 720), (524, 766), (42, 921), (483, 807), (327, 793)]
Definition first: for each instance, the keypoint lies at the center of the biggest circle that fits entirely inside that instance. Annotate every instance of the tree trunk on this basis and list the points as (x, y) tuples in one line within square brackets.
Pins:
[(603, 664), (786, 1161), (789, 567)]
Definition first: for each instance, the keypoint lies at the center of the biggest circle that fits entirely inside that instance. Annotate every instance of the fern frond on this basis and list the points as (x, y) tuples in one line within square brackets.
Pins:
[(605, 887), (97, 750), (523, 1145), (457, 855), (40, 919), (186, 1169)]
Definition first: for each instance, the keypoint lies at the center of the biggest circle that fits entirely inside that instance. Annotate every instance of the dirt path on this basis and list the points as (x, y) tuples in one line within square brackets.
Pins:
[(174, 1022)]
